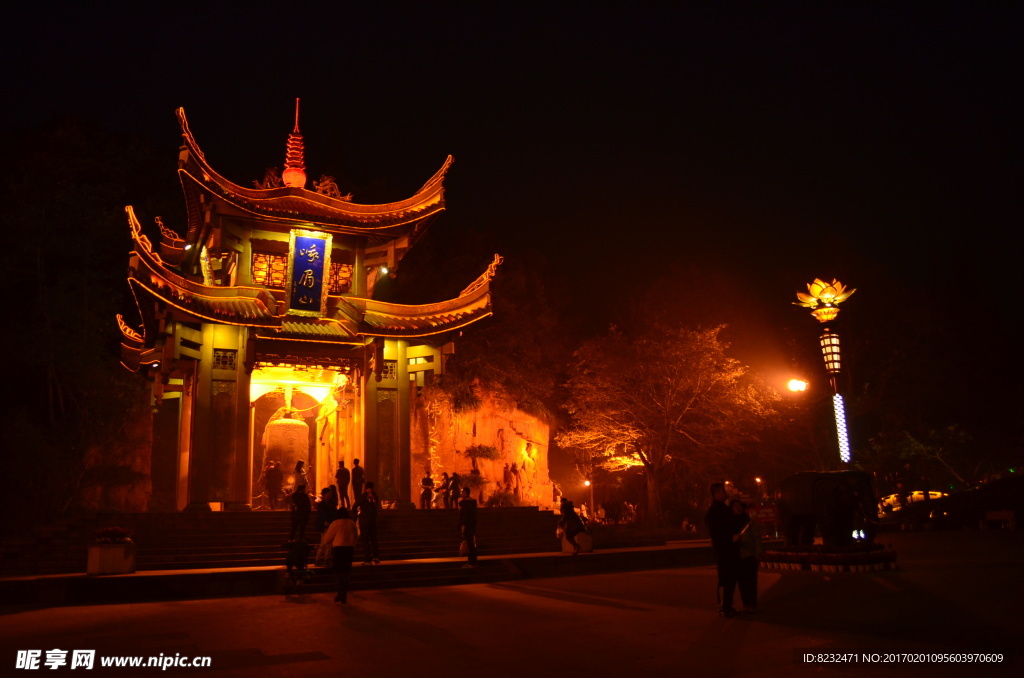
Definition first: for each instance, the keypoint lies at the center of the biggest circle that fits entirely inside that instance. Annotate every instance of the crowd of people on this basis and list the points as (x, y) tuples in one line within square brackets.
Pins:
[(735, 538), (342, 522)]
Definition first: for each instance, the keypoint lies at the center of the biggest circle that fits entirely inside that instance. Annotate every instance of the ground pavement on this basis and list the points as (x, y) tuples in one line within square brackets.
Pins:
[(955, 592)]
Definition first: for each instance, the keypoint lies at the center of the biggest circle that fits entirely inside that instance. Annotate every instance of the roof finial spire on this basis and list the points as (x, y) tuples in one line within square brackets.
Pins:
[(294, 175)]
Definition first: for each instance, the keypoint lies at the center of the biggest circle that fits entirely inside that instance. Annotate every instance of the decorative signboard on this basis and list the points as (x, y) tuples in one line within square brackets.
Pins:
[(309, 255)]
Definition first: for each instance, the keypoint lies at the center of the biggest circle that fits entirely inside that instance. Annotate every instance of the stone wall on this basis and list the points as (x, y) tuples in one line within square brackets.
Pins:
[(440, 437)]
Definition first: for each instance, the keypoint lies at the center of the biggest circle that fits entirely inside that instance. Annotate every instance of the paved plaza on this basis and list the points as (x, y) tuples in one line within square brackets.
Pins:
[(954, 592)]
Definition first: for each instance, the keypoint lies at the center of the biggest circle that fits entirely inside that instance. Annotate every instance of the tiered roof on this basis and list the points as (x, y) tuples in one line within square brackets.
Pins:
[(347, 320), (294, 205)]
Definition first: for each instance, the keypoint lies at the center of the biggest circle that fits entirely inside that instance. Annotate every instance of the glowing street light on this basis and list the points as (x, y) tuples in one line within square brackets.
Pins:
[(823, 299), (797, 385)]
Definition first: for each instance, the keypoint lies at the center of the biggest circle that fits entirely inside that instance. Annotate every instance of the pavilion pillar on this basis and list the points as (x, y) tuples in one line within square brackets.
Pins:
[(219, 454), (403, 478)]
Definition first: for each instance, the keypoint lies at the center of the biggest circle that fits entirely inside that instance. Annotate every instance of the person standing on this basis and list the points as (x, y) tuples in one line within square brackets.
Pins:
[(341, 535), (272, 483), (455, 489), (721, 525), (446, 499), (358, 479), (750, 550), (467, 526), (426, 491), (342, 478), (367, 506), (506, 478), (300, 477)]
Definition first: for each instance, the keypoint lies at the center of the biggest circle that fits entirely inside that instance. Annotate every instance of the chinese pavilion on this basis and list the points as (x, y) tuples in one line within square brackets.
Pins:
[(263, 343)]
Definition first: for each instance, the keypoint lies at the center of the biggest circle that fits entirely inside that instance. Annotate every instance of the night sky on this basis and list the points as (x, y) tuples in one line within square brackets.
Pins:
[(621, 143)]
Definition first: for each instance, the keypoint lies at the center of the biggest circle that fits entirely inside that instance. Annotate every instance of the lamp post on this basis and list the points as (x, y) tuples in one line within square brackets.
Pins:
[(593, 509), (823, 299)]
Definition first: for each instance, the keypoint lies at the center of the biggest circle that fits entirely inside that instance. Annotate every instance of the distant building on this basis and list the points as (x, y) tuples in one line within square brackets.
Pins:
[(262, 341)]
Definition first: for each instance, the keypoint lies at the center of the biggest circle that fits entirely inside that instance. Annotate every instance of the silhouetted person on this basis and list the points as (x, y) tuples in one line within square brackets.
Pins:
[(426, 491), (722, 528), (750, 550), (475, 480), (272, 482), (455, 489), (300, 477), (341, 535), (467, 525), (446, 499), (326, 508), (368, 505), (571, 524), (301, 508), (358, 479), (296, 558), (342, 477), (506, 477)]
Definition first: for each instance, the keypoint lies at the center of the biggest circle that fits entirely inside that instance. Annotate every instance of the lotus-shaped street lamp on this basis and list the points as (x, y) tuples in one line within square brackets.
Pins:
[(824, 298)]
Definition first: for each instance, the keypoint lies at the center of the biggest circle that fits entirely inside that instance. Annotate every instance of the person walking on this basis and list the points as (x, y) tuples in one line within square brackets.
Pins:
[(342, 478), (272, 482), (467, 526), (301, 508), (750, 551), (358, 479), (571, 524), (721, 525), (326, 509), (367, 505), (341, 535)]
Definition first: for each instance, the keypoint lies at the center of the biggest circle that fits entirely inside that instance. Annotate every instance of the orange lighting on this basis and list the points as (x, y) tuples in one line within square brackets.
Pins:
[(797, 385), (830, 349), (823, 298), (294, 175)]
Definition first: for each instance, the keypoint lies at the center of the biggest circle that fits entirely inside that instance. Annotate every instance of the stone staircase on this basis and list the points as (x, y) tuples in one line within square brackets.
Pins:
[(186, 541)]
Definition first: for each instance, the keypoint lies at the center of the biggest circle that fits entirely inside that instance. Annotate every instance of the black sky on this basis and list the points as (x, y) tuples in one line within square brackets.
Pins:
[(876, 142)]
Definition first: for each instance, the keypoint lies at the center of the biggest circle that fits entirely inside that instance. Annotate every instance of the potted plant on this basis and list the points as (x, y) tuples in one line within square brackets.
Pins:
[(112, 552)]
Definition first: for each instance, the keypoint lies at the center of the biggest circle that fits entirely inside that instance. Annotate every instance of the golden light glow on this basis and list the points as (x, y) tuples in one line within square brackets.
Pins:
[(830, 349), (824, 298), (797, 385), (294, 174)]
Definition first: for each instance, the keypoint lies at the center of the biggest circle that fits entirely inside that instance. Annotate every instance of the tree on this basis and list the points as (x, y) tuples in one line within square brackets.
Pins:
[(669, 396), (70, 424)]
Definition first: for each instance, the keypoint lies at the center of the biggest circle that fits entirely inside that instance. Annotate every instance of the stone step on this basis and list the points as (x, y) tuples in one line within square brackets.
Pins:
[(221, 539)]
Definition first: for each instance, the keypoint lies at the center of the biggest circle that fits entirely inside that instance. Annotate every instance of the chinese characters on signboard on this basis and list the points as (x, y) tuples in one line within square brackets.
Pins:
[(308, 262)]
